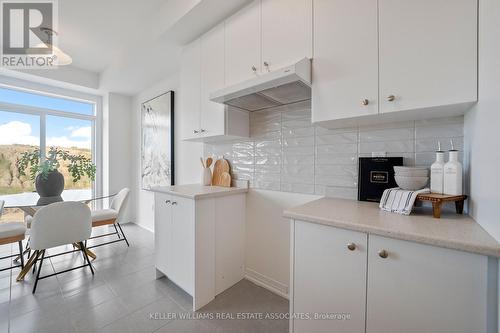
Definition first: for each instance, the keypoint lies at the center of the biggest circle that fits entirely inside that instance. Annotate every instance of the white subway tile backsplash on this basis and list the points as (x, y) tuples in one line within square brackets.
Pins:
[(287, 153), (386, 134), (403, 124), (431, 145), (270, 160), (333, 180), (387, 146), (440, 131), (341, 192), (296, 123), (337, 148), (299, 142), (298, 132), (327, 131), (439, 121), (337, 138), (298, 188), (336, 159)]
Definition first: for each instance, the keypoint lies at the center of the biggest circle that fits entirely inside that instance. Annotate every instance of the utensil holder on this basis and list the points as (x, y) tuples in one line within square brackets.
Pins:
[(206, 177)]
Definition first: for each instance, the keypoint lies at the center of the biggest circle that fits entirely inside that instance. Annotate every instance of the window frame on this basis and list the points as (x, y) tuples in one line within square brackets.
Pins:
[(42, 113)]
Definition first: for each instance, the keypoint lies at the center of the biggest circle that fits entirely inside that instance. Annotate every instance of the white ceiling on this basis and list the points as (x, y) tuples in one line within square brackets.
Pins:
[(132, 44)]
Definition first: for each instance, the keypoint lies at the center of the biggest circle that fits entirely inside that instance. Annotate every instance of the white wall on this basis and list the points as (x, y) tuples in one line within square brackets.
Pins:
[(117, 142), (268, 237), (187, 154), (482, 123)]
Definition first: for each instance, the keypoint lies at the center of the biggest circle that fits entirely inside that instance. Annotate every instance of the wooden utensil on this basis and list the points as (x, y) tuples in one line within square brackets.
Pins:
[(225, 179), (202, 163), (220, 167), (208, 163)]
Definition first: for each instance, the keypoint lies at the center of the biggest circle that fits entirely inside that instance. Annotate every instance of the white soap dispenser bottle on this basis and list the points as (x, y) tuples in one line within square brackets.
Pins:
[(437, 172), (453, 174)]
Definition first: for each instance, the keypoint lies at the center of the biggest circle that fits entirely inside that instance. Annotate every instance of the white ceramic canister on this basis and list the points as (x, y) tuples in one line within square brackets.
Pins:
[(206, 177)]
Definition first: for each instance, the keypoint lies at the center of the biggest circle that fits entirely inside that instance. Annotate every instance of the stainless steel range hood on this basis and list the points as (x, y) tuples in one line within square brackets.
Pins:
[(280, 87)]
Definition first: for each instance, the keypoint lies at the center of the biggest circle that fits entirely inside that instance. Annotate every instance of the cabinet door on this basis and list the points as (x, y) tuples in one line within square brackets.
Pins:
[(212, 78), (243, 44), (190, 91), (182, 243), (286, 32), (329, 278), (420, 288), (345, 64), (428, 53), (163, 232)]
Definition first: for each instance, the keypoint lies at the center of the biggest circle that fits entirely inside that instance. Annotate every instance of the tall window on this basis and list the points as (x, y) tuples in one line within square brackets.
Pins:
[(30, 120)]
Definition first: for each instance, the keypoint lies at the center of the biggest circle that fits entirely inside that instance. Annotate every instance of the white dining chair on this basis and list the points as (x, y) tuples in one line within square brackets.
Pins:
[(59, 224), (12, 232), (112, 216)]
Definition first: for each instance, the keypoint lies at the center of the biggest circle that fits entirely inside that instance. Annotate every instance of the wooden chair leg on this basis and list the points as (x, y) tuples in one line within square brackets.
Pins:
[(26, 269)]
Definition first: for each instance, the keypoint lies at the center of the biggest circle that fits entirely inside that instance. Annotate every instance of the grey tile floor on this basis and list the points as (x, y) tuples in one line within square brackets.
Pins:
[(124, 296)]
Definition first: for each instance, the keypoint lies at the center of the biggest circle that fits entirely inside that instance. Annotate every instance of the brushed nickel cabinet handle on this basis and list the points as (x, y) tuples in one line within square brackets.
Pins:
[(167, 201), (254, 69), (383, 254), (196, 132), (174, 202), (202, 131), (391, 98), (266, 64), (351, 246), (365, 102)]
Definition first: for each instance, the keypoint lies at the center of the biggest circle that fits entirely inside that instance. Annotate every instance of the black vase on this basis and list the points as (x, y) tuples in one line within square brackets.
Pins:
[(52, 186)]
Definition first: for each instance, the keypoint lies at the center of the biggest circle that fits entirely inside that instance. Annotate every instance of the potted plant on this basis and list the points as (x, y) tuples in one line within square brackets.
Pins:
[(49, 182)]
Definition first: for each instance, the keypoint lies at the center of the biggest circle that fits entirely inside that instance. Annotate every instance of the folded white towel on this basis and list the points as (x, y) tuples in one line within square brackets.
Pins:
[(396, 200)]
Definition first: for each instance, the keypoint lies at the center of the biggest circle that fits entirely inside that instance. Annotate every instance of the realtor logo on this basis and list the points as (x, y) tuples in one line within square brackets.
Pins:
[(28, 33)]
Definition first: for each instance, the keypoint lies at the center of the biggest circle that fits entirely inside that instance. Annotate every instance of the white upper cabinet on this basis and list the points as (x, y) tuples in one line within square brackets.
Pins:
[(212, 78), (417, 59), (428, 53), (202, 72), (345, 72), (243, 44), (286, 32), (190, 90)]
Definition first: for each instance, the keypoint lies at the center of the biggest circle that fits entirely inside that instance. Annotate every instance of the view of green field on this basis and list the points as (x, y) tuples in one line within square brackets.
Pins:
[(12, 182)]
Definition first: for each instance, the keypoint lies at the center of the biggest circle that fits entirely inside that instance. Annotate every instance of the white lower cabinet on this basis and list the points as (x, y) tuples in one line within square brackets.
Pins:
[(329, 278), (401, 286), (199, 243), (421, 288)]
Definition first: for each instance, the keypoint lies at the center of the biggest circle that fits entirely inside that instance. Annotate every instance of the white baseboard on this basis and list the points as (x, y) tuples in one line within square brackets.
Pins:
[(143, 227), (267, 282)]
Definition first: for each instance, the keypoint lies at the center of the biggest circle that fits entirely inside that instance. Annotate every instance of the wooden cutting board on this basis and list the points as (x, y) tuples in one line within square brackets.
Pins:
[(218, 177), (225, 179)]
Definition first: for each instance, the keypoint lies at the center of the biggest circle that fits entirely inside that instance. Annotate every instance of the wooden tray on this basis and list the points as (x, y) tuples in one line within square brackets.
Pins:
[(439, 199)]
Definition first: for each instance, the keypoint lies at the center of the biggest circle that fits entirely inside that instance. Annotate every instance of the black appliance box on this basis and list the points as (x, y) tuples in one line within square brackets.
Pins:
[(375, 174)]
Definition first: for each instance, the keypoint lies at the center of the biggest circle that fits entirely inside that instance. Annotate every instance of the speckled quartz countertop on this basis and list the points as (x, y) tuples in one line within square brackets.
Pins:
[(452, 231), (197, 191)]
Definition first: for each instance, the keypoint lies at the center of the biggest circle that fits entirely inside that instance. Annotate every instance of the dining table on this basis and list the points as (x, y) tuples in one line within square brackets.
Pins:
[(30, 202)]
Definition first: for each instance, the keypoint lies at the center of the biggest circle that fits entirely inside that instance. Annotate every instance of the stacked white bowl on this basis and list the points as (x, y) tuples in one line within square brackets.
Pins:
[(411, 178)]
